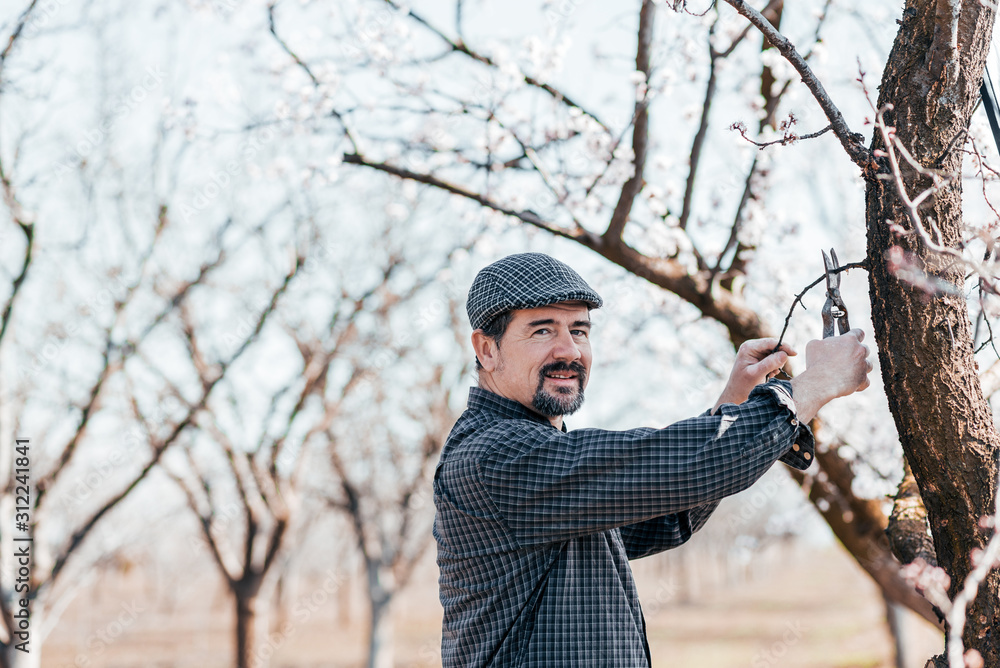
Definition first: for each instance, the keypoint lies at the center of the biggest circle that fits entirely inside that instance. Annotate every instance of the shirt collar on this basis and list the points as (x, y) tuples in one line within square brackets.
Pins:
[(481, 400)]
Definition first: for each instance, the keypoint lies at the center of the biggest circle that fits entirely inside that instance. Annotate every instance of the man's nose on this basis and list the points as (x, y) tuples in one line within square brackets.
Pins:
[(566, 347)]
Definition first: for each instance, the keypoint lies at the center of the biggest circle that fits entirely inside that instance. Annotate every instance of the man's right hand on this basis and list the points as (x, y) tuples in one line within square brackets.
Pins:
[(835, 367)]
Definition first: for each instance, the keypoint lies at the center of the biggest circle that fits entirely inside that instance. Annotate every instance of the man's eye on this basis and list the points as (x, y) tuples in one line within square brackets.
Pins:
[(543, 330), (580, 332)]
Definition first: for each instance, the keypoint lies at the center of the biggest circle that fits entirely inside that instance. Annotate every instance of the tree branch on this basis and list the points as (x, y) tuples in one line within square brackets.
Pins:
[(462, 47), (699, 137), (908, 530), (640, 128), (852, 142), (798, 297), (305, 68), (22, 21), (48, 479), (274, 543), (158, 449), (28, 229), (788, 138), (929, 283), (204, 522), (525, 216)]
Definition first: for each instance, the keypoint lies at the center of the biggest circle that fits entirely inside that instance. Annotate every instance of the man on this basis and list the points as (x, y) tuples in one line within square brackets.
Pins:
[(535, 524)]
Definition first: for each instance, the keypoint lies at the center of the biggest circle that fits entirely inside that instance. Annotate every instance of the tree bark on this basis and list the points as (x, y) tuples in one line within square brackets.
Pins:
[(945, 426)]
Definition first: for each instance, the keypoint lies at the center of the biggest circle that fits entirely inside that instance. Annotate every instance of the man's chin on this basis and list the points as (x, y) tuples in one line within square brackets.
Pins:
[(568, 401)]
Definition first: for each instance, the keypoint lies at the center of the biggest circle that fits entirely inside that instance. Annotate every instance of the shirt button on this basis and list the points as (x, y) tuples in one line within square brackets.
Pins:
[(807, 456), (795, 423), (795, 447)]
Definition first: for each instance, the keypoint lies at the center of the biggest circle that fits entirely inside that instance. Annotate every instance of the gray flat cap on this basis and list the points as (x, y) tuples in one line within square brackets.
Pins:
[(525, 280)]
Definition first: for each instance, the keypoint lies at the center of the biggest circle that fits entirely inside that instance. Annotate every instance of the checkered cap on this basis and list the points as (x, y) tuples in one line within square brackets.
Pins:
[(525, 280)]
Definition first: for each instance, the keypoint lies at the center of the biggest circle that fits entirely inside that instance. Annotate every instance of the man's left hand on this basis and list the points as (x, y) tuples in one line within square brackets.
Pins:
[(755, 363)]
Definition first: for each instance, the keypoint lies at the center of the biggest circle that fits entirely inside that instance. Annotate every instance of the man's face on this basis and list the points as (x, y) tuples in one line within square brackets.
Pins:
[(544, 358)]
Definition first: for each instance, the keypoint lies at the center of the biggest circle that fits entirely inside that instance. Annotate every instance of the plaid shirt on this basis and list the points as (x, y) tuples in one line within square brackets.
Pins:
[(535, 526)]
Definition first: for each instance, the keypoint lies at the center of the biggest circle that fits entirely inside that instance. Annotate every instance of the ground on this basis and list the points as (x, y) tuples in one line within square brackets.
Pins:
[(797, 607)]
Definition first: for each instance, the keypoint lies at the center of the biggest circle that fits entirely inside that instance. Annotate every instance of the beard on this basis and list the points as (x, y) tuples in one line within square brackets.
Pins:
[(566, 401)]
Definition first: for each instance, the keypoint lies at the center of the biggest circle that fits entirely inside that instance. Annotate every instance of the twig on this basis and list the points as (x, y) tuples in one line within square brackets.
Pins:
[(789, 138), (461, 47), (956, 615), (798, 297), (912, 205), (305, 68), (22, 21), (852, 142)]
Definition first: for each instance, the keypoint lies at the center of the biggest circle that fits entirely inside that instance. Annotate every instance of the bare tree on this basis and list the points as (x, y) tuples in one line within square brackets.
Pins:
[(263, 499), (87, 325), (389, 357), (383, 431), (266, 472), (388, 506)]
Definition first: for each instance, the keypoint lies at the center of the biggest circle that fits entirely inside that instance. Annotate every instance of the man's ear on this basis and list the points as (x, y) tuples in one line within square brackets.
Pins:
[(486, 350)]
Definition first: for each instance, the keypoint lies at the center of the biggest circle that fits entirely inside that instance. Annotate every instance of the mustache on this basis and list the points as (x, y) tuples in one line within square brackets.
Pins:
[(563, 367)]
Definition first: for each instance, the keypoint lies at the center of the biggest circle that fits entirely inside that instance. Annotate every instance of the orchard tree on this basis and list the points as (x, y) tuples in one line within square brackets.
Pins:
[(486, 119), (106, 285)]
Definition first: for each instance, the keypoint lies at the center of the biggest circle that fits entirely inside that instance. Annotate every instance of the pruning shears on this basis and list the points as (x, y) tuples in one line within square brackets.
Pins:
[(834, 308)]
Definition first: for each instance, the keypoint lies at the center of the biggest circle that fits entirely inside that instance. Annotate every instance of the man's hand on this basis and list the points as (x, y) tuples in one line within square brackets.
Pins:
[(754, 364), (835, 367)]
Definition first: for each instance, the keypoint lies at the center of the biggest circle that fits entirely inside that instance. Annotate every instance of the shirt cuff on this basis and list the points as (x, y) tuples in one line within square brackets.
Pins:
[(803, 450)]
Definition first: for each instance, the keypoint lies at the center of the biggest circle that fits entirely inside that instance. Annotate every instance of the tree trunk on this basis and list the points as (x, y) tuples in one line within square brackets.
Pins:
[(33, 658), (246, 621), (925, 345), (896, 624), (280, 607), (380, 591)]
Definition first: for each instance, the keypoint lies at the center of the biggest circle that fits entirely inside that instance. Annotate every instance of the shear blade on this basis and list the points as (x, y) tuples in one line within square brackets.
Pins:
[(832, 278)]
